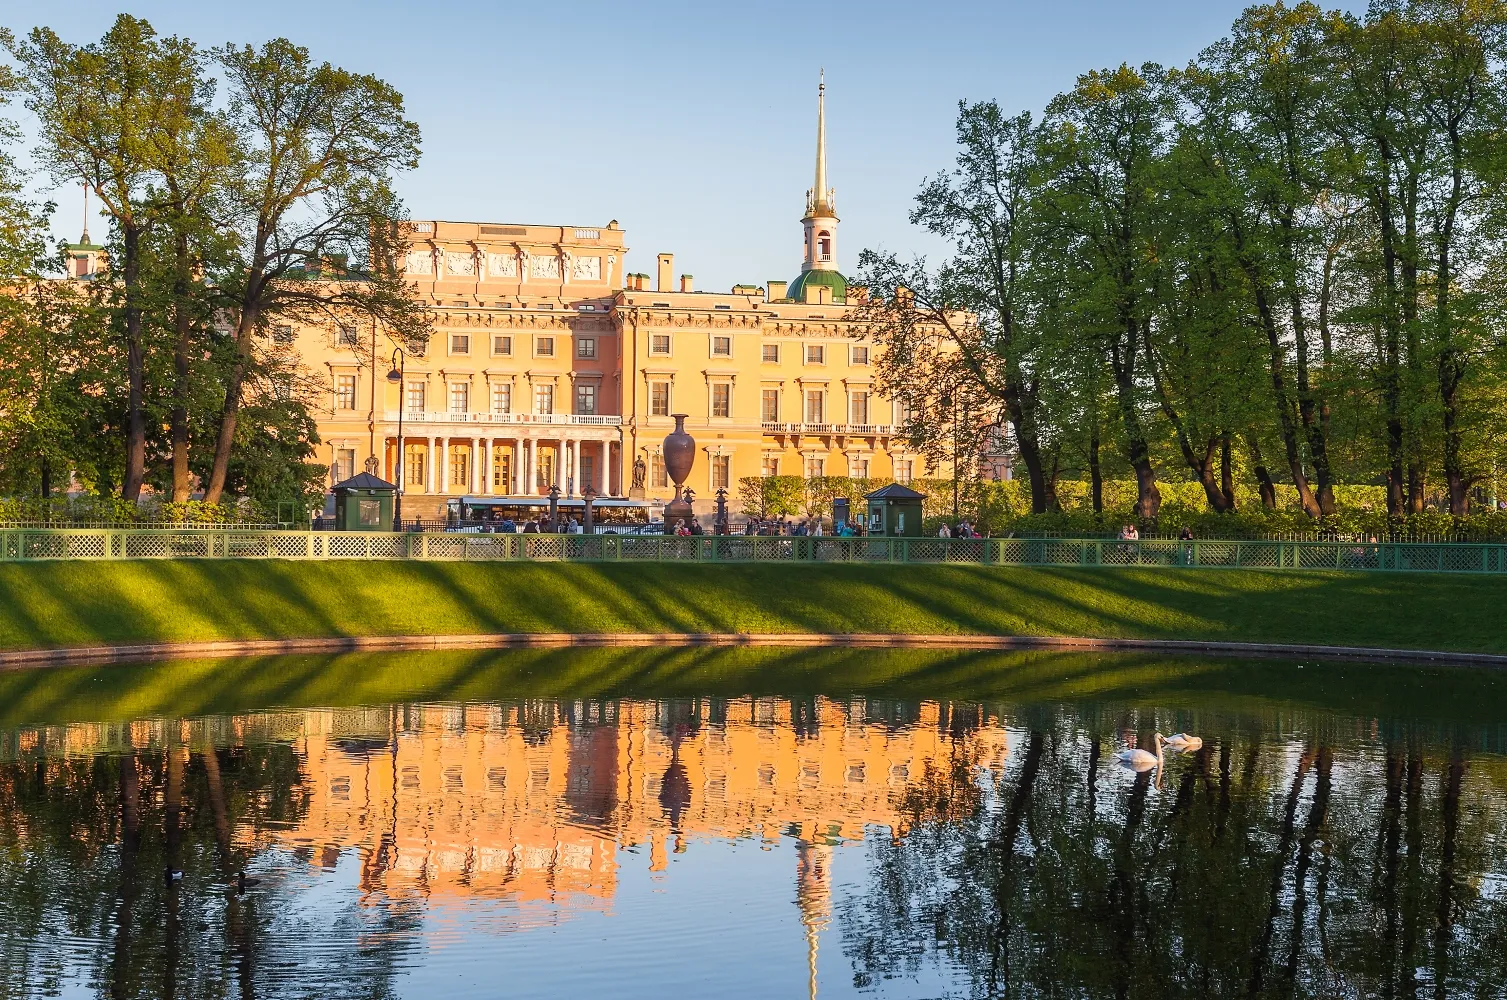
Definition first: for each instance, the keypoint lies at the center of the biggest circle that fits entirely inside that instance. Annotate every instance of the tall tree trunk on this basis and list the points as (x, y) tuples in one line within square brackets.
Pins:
[(1043, 496), (1095, 472), (1122, 355), (183, 320), (136, 429), (1226, 471), (230, 412), (1276, 355), (1263, 477)]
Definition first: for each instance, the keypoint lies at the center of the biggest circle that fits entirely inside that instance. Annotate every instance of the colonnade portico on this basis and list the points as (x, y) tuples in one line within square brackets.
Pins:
[(505, 464)]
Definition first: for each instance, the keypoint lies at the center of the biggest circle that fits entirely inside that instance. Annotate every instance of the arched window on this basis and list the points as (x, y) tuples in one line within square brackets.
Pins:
[(824, 245)]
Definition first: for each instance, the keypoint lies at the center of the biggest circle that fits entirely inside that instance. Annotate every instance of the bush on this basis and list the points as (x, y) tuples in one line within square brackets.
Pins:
[(1003, 508)]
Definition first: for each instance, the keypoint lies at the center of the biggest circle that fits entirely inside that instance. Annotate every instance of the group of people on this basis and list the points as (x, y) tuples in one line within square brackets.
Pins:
[(813, 527), (963, 529), (540, 526)]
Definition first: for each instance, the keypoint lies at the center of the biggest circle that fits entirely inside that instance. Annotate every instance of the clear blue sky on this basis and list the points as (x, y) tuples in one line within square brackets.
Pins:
[(693, 124)]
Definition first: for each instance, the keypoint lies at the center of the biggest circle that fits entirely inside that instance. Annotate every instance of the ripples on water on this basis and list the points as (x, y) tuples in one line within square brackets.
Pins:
[(638, 823)]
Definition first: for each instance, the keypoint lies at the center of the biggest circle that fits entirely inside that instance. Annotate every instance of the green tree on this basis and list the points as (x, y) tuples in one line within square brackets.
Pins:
[(97, 106), (313, 216), (1101, 146)]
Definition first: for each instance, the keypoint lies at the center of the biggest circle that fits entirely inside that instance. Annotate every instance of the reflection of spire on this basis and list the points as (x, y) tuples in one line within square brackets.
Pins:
[(813, 894)]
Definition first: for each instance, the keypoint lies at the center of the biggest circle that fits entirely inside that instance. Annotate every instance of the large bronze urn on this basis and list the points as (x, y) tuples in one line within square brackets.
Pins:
[(680, 455)]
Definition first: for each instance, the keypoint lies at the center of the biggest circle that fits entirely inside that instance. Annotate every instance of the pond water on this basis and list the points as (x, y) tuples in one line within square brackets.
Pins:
[(730, 823)]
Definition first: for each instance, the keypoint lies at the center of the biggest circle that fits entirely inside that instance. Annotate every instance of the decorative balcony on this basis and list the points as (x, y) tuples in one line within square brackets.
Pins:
[(880, 430), (516, 419)]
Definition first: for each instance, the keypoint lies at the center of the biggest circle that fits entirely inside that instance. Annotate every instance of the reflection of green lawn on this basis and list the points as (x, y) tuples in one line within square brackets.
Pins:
[(89, 603), (1440, 696)]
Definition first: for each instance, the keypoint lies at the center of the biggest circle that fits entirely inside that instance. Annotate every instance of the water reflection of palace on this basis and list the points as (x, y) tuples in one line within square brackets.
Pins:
[(534, 800)]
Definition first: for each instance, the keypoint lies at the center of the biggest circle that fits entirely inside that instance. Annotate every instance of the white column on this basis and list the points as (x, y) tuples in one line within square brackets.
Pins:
[(484, 466), (560, 464), (526, 469), (429, 464), (444, 465), (575, 468), (475, 466)]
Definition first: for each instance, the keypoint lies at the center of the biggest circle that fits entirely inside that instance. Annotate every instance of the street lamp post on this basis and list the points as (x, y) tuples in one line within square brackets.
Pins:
[(721, 527), (590, 496), (396, 376)]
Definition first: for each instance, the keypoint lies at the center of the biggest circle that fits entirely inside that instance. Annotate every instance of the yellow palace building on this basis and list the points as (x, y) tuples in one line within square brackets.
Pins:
[(551, 366)]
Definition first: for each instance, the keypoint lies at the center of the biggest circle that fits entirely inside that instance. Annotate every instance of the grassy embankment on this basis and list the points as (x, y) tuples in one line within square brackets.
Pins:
[(92, 603)]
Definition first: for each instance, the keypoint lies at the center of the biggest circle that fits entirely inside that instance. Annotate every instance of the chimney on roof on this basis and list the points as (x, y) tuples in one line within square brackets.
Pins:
[(666, 269), (686, 283), (776, 290)]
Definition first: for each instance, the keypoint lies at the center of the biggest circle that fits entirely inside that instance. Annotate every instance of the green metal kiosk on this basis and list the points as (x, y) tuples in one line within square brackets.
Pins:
[(364, 503), (895, 511)]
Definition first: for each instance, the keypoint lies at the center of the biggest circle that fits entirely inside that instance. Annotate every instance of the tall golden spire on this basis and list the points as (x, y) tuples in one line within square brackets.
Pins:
[(819, 200)]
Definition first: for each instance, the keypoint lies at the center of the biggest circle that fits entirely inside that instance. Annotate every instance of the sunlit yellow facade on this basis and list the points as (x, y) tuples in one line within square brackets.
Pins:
[(551, 366)]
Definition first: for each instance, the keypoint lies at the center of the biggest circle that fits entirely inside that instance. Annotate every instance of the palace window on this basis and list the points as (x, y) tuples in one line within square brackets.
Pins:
[(816, 354), (346, 336), (586, 398), (860, 355), (771, 353), (345, 464), (282, 335), (722, 466), (502, 469), (415, 397), (858, 468), (659, 343), (659, 399), (903, 470), (722, 399), (460, 465), (345, 392), (657, 476), (815, 466), (544, 347), (502, 346), (769, 406), (502, 398), (586, 347), (722, 347), (460, 343), (815, 406), (859, 408), (770, 466), (413, 464), (460, 397), (544, 399)]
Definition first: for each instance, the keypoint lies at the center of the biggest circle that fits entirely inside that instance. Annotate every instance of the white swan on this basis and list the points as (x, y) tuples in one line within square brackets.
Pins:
[(1140, 759), (1182, 741)]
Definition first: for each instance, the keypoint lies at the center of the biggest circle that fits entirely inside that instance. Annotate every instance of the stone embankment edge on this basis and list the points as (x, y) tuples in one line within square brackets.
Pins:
[(146, 652)]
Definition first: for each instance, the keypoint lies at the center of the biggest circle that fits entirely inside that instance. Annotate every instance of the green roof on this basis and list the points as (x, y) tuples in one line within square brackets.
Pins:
[(811, 279)]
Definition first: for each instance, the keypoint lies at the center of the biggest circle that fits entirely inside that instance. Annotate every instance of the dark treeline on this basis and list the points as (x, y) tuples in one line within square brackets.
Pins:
[(1280, 264), (242, 189), (1261, 865)]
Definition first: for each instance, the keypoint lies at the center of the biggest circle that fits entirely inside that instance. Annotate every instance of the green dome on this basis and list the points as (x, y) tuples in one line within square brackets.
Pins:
[(811, 279)]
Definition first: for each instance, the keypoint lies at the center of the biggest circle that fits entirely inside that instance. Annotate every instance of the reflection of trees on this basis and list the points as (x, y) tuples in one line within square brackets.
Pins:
[(1260, 867), (89, 845)]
